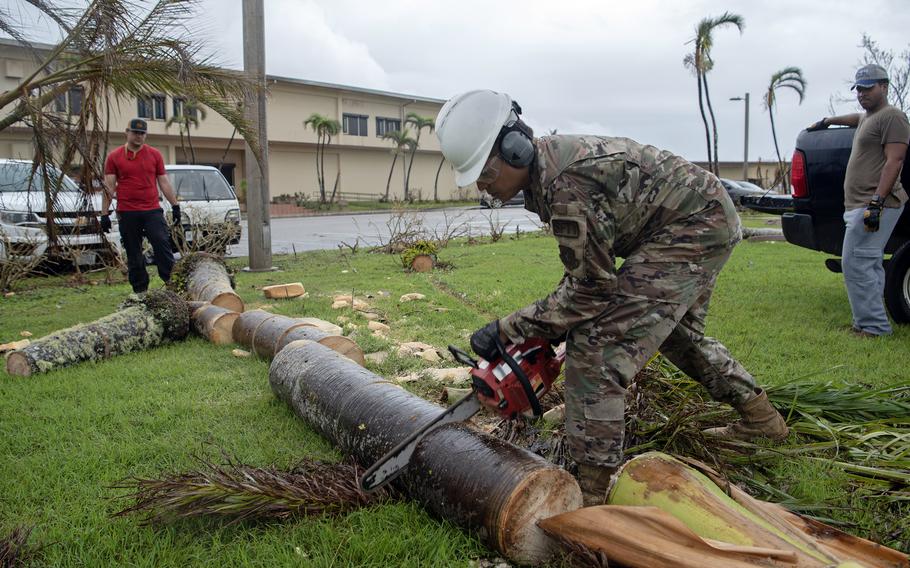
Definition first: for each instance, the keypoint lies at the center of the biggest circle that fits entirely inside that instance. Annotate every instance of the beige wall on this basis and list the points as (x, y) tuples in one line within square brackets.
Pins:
[(364, 161)]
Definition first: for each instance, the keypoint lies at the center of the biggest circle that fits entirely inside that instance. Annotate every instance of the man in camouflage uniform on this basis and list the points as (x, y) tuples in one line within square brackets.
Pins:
[(671, 222)]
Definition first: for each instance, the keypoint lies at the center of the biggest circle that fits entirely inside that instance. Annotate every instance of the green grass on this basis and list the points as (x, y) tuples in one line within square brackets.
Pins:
[(66, 436)]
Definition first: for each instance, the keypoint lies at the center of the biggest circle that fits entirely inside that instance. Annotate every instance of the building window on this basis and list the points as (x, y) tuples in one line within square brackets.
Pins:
[(70, 101), (180, 108), (384, 125), (151, 107), (355, 124)]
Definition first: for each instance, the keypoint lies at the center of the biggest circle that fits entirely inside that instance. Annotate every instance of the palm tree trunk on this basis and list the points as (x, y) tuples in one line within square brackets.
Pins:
[(436, 183), (318, 174), (183, 146), (704, 119), (407, 176), (715, 167), (227, 149), (780, 162), (389, 182), (325, 142), (189, 142)]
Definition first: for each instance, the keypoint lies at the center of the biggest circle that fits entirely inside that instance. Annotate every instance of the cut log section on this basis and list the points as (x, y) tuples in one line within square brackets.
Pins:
[(267, 333), (460, 474), (215, 323), (337, 343), (205, 278), (139, 324), (280, 291)]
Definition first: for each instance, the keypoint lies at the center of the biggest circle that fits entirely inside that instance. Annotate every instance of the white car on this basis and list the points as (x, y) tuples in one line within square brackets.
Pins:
[(23, 217), (207, 202)]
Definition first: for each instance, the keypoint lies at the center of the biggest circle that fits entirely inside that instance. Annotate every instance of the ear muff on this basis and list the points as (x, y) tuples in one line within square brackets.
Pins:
[(515, 147)]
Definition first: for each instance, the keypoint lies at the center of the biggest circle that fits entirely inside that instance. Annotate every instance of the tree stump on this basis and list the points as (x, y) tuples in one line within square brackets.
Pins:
[(460, 474), (423, 263), (215, 323), (204, 277), (139, 324)]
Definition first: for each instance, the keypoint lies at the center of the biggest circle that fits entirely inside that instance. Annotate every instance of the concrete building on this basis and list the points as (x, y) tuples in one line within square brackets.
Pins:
[(360, 158)]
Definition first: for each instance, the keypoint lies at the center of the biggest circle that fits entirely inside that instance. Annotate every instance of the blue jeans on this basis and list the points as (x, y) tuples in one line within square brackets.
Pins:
[(864, 274)]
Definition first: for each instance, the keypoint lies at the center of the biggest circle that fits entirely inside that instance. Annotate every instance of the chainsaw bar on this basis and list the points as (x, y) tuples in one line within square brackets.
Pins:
[(396, 460)]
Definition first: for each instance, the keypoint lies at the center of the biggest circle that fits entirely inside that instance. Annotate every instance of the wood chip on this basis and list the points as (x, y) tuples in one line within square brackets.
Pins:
[(370, 316), (291, 290), (430, 355), (25, 333), (240, 353), (379, 357), (556, 414), (411, 297), (339, 304), (9, 294), (14, 345), (450, 375), (377, 326)]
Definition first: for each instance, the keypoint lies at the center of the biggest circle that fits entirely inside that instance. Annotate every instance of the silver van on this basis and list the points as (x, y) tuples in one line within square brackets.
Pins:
[(207, 202)]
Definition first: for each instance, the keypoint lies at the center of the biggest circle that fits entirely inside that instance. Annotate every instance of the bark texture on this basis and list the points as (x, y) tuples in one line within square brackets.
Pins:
[(138, 325), (460, 474)]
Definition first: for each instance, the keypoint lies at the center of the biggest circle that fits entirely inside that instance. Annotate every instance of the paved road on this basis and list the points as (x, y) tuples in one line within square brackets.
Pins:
[(328, 231)]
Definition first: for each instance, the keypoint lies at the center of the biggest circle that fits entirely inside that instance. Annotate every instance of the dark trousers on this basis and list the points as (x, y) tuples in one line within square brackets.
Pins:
[(149, 224)]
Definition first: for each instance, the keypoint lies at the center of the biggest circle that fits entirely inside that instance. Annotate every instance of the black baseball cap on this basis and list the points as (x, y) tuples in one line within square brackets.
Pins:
[(138, 125)]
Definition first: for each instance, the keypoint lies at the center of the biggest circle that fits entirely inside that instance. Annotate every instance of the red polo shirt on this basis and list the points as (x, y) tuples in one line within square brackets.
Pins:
[(137, 177)]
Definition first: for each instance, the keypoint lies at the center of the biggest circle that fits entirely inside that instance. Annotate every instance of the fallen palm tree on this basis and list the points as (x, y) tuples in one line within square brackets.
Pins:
[(267, 333), (458, 473), (15, 550), (661, 512), (203, 277), (235, 492), (141, 323)]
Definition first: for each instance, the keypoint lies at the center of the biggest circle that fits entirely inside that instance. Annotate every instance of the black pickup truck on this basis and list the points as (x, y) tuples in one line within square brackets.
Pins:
[(815, 220)]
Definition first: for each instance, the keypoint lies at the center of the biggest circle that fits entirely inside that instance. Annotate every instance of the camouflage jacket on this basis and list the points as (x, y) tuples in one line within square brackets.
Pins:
[(603, 197)]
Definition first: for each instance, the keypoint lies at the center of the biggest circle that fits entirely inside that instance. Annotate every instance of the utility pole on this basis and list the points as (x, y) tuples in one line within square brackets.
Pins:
[(746, 140), (257, 171)]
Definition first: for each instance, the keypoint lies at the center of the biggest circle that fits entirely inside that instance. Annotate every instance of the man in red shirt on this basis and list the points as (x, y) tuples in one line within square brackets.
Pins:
[(132, 174)]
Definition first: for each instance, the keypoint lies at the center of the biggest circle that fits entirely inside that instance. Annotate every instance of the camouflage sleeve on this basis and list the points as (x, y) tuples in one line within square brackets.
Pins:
[(584, 230)]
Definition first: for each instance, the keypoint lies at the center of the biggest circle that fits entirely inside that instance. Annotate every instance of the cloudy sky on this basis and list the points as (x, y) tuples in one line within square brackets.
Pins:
[(579, 66)]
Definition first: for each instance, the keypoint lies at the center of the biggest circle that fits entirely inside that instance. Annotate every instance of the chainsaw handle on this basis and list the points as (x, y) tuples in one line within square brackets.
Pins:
[(522, 377), (462, 357)]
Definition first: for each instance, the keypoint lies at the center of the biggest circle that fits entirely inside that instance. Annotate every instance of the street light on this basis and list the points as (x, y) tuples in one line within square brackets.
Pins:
[(746, 139)]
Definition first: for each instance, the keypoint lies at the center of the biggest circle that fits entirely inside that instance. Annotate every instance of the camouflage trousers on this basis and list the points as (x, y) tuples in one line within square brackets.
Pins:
[(662, 298)]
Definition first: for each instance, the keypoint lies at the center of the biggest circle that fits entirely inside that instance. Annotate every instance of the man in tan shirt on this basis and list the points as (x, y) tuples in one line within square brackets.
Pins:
[(873, 196)]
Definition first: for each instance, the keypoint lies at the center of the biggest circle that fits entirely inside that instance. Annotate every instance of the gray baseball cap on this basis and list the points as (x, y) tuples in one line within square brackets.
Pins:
[(869, 75)]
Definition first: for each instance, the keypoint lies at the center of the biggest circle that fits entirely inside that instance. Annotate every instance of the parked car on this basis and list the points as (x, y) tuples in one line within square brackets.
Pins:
[(737, 191), (207, 202), (489, 202), (816, 221), (24, 223)]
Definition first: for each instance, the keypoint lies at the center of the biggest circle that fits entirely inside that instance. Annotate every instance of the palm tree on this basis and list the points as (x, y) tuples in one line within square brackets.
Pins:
[(115, 50), (189, 115), (701, 63), (419, 122), (325, 128), (786, 78), (403, 143)]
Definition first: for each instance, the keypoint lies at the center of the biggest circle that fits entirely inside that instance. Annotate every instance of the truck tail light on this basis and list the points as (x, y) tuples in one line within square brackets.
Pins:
[(798, 175)]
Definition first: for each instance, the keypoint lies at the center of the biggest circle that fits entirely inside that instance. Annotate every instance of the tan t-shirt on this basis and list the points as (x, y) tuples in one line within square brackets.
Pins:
[(867, 158)]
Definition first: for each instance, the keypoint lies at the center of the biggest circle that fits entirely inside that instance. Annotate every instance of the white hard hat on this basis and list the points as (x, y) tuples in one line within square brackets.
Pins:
[(467, 127)]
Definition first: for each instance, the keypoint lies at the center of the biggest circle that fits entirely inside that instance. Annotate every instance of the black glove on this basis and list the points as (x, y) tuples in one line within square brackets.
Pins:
[(873, 214), (106, 223), (484, 340), (820, 125), (175, 216)]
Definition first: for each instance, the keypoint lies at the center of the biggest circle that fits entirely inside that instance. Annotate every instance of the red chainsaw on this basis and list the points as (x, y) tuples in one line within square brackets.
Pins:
[(509, 386)]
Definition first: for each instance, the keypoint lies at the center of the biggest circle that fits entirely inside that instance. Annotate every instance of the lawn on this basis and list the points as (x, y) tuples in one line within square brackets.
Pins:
[(67, 436)]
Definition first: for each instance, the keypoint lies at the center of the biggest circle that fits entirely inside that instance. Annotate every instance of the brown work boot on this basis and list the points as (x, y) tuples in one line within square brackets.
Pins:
[(759, 420), (594, 481)]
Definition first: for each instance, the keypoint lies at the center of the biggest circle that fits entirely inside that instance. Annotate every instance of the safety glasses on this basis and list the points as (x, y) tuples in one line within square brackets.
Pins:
[(490, 171)]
